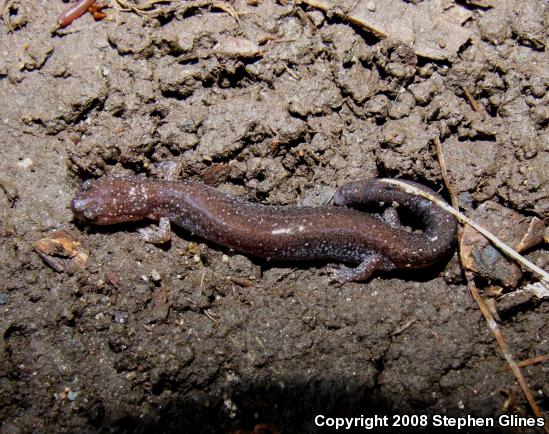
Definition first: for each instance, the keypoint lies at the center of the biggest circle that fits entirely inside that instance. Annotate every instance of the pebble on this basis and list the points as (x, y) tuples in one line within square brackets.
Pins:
[(371, 6), (155, 275), (120, 317), (3, 298), (25, 163)]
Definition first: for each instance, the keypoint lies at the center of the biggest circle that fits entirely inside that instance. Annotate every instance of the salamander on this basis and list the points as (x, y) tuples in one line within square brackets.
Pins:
[(330, 233)]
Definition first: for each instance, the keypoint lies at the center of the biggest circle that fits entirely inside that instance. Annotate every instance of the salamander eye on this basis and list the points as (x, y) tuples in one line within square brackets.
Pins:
[(87, 184)]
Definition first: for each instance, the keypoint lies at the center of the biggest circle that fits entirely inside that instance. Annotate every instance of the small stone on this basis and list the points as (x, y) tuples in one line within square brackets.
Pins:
[(71, 396), (3, 298), (25, 163), (120, 317), (155, 276), (236, 47), (371, 6)]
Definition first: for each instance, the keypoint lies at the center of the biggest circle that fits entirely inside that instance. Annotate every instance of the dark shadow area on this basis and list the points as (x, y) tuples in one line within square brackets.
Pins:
[(285, 408), (292, 408)]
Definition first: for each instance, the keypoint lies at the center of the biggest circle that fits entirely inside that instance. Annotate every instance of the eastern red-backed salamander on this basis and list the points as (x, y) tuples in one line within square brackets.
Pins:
[(332, 233)]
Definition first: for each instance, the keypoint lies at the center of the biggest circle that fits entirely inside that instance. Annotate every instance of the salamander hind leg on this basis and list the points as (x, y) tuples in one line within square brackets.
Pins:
[(160, 235), (365, 269)]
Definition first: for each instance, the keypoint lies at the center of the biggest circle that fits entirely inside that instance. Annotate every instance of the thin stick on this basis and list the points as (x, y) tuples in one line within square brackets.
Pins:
[(492, 324), (476, 106), (533, 361), (462, 218), (445, 176)]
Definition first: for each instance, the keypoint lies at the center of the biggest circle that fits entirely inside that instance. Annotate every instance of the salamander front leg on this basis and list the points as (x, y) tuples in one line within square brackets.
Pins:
[(364, 270), (157, 235)]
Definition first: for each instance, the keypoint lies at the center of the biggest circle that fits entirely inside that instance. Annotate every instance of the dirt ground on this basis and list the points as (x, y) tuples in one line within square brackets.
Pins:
[(278, 102)]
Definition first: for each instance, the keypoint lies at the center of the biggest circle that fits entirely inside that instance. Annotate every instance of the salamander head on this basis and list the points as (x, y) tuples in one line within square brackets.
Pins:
[(110, 200)]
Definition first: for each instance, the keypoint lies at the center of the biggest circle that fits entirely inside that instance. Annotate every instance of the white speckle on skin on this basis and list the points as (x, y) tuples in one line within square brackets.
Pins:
[(282, 231)]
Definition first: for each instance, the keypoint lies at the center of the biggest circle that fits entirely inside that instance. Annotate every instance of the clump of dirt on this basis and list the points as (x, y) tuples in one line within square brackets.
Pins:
[(279, 102)]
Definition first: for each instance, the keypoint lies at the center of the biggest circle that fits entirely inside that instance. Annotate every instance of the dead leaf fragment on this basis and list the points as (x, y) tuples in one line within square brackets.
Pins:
[(236, 47), (514, 229), (522, 296), (62, 252)]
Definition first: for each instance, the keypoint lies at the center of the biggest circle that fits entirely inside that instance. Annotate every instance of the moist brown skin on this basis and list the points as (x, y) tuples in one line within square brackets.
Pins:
[(332, 233)]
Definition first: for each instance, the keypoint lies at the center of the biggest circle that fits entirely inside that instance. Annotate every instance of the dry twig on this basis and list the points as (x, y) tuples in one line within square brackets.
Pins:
[(533, 361), (492, 324), (476, 106), (463, 219)]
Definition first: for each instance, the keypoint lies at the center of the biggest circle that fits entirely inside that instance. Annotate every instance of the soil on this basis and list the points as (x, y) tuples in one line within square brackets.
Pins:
[(280, 103)]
